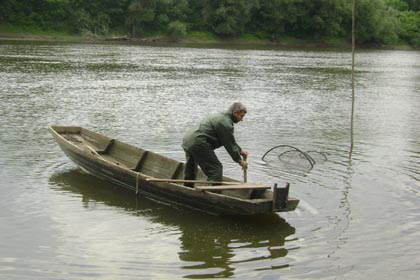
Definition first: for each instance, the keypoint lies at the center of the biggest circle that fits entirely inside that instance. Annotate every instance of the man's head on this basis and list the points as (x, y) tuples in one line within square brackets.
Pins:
[(238, 110)]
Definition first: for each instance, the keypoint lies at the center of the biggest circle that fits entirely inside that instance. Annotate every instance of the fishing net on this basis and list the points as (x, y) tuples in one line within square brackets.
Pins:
[(291, 156)]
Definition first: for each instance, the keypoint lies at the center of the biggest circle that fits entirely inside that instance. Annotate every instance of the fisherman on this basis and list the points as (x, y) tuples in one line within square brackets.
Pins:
[(212, 133)]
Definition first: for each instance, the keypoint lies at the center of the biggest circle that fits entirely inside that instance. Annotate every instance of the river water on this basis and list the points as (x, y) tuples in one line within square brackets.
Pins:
[(359, 215)]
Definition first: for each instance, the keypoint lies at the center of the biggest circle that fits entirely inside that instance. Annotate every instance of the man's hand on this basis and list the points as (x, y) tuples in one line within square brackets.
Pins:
[(244, 165), (244, 154)]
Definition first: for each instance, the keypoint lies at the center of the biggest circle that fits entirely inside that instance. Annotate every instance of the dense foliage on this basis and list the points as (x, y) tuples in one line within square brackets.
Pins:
[(378, 21)]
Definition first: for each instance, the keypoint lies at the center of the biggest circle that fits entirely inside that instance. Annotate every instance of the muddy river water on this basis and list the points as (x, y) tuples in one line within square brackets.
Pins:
[(359, 215)]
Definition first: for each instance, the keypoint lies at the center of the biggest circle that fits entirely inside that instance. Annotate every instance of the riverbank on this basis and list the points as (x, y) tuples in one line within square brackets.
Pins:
[(38, 37), (246, 42)]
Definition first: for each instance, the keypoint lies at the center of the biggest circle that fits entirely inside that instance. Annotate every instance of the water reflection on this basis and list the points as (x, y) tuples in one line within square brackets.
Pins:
[(220, 244), (210, 246)]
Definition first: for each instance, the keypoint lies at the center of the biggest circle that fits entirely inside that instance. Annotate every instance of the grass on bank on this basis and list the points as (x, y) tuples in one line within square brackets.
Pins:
[(25, 32), (196, 37)]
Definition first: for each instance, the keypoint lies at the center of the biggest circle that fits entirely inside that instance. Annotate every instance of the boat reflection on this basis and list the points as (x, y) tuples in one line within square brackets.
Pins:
[(211, 246)]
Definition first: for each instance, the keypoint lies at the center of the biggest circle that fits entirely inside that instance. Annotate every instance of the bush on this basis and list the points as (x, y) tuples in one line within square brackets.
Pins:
[(177, 29), (201, 35), (410, 22)]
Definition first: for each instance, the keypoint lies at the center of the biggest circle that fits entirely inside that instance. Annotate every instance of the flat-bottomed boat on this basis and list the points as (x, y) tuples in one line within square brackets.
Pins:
[(161, 178)]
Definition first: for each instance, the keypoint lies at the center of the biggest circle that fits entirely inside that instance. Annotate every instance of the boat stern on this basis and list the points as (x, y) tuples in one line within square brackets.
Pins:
[(281, 200)]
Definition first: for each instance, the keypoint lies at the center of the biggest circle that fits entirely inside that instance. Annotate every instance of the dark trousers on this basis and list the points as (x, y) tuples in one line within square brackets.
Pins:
[(205, 157)]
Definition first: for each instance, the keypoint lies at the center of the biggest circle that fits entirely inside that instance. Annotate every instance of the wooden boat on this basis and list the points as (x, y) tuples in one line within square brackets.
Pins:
[(160, 178)]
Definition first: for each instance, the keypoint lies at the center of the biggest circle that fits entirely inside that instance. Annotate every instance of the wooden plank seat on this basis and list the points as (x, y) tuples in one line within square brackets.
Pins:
[(232, 187), (124, 154)]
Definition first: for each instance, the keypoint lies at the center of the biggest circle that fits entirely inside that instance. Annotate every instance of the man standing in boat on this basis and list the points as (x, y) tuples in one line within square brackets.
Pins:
[(212, 133)]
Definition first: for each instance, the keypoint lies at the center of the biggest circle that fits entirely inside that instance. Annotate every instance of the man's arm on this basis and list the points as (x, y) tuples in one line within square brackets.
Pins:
[(227, 139)]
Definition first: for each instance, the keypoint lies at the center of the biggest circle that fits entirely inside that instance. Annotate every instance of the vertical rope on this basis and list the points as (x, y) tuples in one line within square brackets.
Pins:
[(245, 171), (137, 183), (353, 48)]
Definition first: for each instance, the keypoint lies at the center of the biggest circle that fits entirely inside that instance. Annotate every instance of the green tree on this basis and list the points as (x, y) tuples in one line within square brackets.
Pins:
[(84, 21), (179, 10), (271, 18), (377, 21), (413, 4), (370, 23), (176, 30), (228, 18), (199, 13), (398, 5), (145, 15), (92, 25), (133, 18), (103, 14), (410, 30), (317, 18)]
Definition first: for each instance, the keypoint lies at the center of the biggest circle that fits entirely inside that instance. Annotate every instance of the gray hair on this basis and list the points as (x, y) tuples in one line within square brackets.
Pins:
[(237, 107)]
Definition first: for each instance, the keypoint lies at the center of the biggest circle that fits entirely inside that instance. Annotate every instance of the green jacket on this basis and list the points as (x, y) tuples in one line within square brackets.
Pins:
[(216, 130)]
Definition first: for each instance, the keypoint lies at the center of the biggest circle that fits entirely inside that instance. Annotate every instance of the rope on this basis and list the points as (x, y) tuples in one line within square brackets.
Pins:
[(137, 183)]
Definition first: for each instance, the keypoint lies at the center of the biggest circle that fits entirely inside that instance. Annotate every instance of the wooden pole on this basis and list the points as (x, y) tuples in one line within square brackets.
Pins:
[(193, 181), (233, 187), (353, 48), (245, 171)]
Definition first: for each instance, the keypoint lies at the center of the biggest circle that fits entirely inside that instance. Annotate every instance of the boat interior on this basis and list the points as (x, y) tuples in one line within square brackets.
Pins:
[(125, 155), (144, 162)]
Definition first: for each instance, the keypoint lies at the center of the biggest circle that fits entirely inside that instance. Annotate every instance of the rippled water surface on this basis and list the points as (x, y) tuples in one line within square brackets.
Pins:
[(359, 216)]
